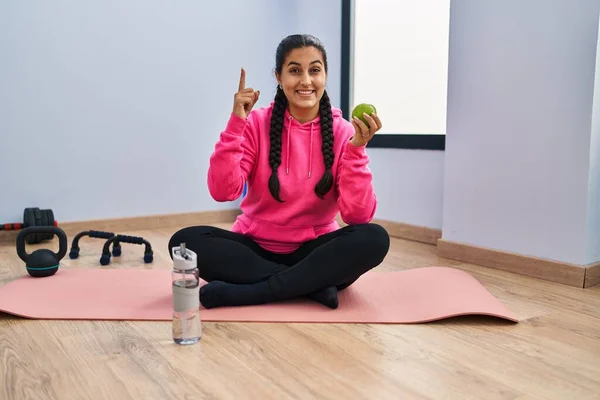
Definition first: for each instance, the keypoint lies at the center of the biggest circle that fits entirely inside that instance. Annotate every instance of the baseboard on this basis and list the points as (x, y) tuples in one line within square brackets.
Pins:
[(554, 271), (592, 275), (569, 274), (416, 233), (406, 231), (127, 224)]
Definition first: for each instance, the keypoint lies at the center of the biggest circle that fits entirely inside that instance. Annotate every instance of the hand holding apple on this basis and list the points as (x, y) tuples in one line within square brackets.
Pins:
[(245, 98), (366, 123)]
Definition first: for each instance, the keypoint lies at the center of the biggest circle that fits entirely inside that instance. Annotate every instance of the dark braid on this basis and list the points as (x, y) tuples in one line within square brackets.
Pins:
[(326, 181), (275, 134)]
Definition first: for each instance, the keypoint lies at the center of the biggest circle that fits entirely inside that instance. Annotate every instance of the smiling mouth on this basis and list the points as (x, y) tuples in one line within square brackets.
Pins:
[(305, 92)]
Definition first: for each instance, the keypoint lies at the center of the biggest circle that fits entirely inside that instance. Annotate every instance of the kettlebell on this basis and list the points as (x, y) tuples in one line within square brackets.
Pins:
[(42, 262)]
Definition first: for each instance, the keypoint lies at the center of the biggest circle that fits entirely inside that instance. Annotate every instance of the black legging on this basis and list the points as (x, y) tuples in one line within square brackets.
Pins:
[(335, 259)]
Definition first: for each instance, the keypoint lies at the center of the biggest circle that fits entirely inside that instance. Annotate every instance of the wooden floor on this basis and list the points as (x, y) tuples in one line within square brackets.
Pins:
[(554, 353)]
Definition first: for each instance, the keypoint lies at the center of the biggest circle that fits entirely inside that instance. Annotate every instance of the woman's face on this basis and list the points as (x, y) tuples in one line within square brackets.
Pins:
[(303, 79)]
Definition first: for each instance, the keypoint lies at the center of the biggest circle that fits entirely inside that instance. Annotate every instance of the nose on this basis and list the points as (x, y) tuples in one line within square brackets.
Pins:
[(305, 81)]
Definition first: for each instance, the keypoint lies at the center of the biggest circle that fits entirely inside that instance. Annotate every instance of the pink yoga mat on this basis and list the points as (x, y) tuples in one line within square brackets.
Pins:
[(411, 296)]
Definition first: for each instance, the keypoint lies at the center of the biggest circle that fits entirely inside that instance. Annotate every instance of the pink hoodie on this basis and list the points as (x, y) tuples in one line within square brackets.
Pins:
[(242, 155)]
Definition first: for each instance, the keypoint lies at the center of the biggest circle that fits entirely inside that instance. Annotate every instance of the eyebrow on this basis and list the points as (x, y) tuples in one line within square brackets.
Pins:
[(297, 63)]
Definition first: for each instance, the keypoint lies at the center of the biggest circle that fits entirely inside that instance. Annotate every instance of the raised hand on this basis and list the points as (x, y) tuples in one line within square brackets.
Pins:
[(364, 133), (245, 98)]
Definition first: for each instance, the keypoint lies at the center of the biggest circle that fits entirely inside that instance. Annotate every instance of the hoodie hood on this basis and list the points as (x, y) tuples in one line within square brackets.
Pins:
[(311, 126)]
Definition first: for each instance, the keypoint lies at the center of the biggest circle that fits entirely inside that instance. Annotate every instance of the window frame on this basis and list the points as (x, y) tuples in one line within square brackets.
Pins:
[(387, 141)]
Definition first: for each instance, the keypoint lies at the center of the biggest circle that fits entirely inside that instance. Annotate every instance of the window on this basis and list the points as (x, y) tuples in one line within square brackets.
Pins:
[(395, 56)]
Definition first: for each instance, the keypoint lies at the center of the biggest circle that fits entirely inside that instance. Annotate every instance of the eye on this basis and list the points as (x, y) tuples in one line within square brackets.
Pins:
[(294, 70), (316, 70)]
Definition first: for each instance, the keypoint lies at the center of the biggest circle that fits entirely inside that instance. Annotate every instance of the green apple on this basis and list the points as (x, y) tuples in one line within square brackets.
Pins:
[(362, 108)]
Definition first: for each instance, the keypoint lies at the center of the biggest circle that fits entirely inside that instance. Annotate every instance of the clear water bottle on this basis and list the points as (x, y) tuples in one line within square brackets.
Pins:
[(187, 326)]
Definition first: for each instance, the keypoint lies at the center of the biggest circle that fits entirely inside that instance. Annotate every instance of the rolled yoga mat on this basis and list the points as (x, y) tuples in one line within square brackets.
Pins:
[(412, 296)]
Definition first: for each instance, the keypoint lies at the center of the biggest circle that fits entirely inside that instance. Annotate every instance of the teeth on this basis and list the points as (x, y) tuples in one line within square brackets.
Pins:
[(305, 91)]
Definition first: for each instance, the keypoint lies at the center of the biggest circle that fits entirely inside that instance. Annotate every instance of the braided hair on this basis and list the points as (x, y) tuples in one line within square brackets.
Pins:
[(275, 134), (326, 182), (280, 104)]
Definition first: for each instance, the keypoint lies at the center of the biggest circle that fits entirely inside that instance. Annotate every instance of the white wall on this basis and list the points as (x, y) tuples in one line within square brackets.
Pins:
[(520, 95), (593, 205), (409, 185), (112, 108)]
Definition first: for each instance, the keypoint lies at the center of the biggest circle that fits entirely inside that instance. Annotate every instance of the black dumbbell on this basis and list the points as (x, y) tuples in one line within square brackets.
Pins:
[(74, 253), (33, 217)]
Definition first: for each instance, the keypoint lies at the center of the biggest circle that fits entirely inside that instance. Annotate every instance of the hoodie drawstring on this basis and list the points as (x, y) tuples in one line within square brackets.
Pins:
[(312, 125), (287, 152), (289, 140)]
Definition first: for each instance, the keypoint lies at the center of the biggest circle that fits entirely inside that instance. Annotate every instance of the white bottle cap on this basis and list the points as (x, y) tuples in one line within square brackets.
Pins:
[(185, 261)]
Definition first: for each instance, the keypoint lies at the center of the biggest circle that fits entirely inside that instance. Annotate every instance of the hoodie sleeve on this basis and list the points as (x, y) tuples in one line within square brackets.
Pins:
[(233, 159), (357, 201)]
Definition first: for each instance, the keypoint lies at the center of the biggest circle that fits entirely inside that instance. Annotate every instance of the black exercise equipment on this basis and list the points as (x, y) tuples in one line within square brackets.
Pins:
[(33, 217), (42, 262), (148, 253), (74, 253)]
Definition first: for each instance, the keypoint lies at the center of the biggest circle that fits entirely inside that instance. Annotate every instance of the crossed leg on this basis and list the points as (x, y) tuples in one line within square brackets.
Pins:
[(240, 272)]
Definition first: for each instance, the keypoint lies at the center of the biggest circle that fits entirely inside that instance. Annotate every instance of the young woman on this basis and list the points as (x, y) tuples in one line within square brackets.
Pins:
[(303, 164)]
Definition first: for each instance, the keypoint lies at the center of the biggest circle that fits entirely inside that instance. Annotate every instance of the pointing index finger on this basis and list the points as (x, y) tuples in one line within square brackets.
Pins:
[(242, 80)]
